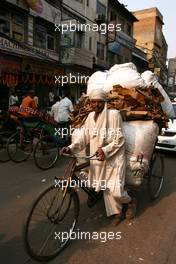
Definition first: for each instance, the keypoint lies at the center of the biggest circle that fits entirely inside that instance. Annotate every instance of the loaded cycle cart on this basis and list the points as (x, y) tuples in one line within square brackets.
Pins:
[(35, 135), (56, 210)]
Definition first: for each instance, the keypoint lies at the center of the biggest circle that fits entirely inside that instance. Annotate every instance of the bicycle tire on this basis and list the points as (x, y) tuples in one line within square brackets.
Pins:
[(155, 182), (37, 234), (45, 146), (15, 151), (4, 136)]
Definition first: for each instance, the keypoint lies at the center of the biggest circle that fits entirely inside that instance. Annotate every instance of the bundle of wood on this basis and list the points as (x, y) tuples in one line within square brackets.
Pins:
[(134, 104)]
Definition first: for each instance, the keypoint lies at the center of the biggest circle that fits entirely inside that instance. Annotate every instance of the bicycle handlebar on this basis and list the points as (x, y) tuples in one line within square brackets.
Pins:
[(80, 157)]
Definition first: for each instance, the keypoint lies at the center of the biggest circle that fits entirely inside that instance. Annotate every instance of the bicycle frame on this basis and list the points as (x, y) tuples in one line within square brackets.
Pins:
[(71, 169)]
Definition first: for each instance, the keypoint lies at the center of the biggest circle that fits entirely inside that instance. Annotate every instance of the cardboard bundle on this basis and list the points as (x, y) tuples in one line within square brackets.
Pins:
[(141, 106), (134, 104)]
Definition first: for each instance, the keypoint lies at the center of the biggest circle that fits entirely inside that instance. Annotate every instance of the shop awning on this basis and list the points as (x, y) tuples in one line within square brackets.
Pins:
[(138, 56)]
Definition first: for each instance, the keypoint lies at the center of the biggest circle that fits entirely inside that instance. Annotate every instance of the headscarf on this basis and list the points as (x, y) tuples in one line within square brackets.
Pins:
[(97, 94)]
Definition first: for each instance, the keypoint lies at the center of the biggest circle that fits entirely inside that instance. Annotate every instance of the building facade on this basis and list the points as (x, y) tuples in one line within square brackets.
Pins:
[(56, 45), (29, 48), (152, 40), (172, 77)]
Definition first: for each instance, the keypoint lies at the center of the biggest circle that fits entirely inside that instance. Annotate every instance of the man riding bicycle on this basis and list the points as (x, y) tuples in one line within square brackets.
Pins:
[(103, 131)]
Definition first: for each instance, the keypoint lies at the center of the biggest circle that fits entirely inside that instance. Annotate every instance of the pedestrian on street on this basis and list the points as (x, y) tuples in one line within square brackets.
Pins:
[(51, 98), (65, 108), (13, 100), (55, 108)]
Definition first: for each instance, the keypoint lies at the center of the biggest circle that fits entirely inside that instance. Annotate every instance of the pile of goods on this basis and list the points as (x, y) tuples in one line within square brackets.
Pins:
[(134, 104), (145, 108), (44, 117)]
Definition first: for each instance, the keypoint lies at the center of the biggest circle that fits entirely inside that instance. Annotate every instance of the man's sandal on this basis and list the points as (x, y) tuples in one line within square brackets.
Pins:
[(118, 218), (131, 211)]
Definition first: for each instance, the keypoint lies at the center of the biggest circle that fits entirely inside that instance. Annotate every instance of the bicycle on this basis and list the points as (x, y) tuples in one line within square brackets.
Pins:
[(21, 144), (7, 128), (46, 150), (60, 208)]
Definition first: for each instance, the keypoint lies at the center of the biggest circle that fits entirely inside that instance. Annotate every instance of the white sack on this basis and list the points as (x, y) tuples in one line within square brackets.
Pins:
[(151, 79), (125, 75), (96, 81), (116, 67), (140, 139)]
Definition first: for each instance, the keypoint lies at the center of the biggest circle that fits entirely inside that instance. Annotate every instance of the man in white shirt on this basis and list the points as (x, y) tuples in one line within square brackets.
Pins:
[(55, 108), (65, 108), (51, 98), (13, 100)]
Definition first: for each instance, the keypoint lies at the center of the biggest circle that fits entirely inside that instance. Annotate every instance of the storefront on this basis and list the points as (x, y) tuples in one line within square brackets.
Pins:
[(22, 69)]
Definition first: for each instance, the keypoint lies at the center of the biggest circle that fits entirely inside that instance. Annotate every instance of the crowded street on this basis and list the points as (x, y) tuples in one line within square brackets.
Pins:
[(87, 132), (149, 238)]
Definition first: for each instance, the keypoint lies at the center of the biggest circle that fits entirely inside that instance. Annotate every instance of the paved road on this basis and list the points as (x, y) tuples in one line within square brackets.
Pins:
[(149, 239)]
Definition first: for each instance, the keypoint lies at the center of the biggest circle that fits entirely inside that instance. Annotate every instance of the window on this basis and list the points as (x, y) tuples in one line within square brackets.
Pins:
[(101, 9), (112, 16), (19, 20), (78, 39), (67, 39), (129, 29), (111, 58), (90, 43), (43, 38), (50, 42), (12, 25), (122, 22), (5, 26), (40, 37), (18, 27), (17, 36), (100, 50)]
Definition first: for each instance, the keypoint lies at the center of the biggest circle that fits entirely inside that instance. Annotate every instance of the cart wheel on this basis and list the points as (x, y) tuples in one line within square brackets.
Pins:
[(156, 176)]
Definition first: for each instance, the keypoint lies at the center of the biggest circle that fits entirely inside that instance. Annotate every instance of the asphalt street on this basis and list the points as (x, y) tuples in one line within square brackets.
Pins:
[(150, 238)]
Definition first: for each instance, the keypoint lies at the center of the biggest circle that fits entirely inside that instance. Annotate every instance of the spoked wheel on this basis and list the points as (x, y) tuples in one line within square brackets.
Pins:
[(4, 136), (50, 223), (156, 176), (46, 152), (19, 148)]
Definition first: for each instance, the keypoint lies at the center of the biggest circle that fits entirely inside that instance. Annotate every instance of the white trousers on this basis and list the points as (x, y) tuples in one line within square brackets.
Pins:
[(113, 204)]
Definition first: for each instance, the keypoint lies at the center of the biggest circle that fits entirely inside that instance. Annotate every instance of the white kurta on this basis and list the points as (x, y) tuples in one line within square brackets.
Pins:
[(111, 172), (64, 109)]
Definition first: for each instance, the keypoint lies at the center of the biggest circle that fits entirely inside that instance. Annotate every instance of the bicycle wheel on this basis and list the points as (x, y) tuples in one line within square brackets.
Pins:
[(19, 148), (46, 152), (156, 177), (50, 223), (4, 136)]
